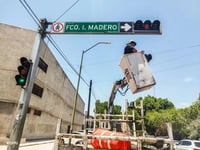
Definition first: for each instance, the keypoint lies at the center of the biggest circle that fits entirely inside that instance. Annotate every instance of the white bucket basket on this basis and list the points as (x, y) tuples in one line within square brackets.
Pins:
[(137, 72)]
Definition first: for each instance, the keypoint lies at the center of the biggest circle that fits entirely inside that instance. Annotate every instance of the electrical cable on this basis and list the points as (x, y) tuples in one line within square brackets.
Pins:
[(66, 10), (55, 45), (37, 21), (51, 40), (64, 57), (175, 49), (177, 58), (30, 12), (178, 67)]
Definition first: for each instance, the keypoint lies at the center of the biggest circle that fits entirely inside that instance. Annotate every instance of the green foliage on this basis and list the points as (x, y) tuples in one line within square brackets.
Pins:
[(154, 108), (117, 109), (151, 103), (159, 111), (194, 128), (102, 106), (192, 120)]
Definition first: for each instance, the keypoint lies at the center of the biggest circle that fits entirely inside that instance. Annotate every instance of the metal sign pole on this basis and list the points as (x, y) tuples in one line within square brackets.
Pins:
[(20, 117)]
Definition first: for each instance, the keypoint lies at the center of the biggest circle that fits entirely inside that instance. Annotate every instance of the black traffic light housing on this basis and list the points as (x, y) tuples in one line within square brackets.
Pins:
[(147, 27), (23, 70)]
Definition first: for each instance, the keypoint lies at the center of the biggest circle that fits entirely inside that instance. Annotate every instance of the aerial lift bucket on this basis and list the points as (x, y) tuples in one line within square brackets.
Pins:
[(137, 71)]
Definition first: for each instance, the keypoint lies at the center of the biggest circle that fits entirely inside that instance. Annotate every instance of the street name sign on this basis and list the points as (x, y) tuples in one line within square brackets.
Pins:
[(98, 28), (92, 27)]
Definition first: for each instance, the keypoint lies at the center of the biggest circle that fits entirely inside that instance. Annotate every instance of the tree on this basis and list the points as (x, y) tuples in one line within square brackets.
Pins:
[(191, 115), (194, 128), (155, 113), (185, 121), (102, 106), (159, 111), (151, 103)]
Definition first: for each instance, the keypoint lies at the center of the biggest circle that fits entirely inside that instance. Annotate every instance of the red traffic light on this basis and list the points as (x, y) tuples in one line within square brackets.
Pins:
[(147, 27)]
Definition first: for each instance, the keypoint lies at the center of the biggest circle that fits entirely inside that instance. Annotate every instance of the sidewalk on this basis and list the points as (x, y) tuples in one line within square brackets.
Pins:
[(34, 145)]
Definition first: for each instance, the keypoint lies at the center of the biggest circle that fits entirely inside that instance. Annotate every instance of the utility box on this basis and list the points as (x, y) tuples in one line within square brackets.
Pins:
[(137, 71)]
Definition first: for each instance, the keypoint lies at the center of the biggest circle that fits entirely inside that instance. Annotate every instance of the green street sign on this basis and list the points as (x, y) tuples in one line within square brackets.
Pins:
[(85, 27), (88, 27), (100, 28)]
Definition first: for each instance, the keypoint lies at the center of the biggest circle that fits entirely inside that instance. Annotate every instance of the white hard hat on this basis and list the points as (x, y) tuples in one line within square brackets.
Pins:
[(132, 41)]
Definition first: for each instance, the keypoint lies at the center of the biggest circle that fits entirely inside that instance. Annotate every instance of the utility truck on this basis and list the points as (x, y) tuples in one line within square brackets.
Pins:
[(138, 78)]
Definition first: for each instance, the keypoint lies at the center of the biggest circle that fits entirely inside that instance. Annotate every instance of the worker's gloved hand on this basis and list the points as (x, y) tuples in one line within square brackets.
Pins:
[(148, 57)]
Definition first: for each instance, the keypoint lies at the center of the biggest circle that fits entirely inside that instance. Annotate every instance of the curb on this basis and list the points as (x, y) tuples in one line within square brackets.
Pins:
[(36, 143)]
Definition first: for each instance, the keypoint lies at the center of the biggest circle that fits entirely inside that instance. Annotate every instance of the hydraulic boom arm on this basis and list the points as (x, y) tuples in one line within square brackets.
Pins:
[(116, 86)]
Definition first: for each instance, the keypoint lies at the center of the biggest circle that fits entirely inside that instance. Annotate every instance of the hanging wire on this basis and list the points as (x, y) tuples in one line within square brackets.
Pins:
[(67, 10), (176, 49), (37, 21), (30, 12), (178, 67), (64, 56)]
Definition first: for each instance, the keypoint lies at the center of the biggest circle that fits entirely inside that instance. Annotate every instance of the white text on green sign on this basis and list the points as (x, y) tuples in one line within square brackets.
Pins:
[(88, 27)]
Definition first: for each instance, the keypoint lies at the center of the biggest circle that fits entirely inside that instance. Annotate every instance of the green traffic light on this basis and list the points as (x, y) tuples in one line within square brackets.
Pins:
[(23, 71), (20, 80)]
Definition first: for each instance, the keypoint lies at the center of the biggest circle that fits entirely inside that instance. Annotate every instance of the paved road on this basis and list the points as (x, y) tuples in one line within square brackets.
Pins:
[(45, 145)]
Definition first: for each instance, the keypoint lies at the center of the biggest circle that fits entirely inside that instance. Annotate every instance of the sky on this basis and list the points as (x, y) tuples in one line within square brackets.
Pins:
[(175, 64)]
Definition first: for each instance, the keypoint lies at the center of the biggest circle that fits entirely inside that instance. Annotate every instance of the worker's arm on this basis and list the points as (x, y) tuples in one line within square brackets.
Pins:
[(134, 50)]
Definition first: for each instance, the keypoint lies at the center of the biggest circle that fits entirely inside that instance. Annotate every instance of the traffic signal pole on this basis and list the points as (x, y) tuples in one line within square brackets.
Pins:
[(22, 108)]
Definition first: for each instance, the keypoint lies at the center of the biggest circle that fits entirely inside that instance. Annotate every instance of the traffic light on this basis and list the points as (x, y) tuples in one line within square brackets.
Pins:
[(23, 71), (147, 27)]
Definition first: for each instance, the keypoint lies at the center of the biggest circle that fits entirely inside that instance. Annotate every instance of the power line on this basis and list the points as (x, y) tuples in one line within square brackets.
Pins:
[(37, 21), (168, 60), (178, 67), (51, 40), (183, 55), (67, 10), (55, 45), (31, 12), (175, 49)]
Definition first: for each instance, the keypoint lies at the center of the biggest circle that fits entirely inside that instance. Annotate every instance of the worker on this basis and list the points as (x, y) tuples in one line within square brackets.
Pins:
[(130, 48)]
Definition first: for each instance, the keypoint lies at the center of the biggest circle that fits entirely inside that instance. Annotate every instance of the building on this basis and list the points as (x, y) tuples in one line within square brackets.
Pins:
[(53, 93)]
